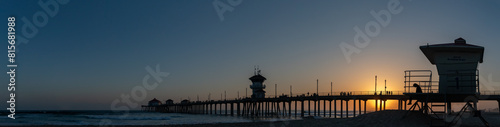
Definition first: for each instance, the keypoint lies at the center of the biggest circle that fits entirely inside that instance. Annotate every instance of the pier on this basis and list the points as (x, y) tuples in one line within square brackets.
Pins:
[(332, 105), (284, 105)]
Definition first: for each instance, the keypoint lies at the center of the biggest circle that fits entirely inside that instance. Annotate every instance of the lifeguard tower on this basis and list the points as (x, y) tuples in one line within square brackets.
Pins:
[(258, 84), (458, 79)]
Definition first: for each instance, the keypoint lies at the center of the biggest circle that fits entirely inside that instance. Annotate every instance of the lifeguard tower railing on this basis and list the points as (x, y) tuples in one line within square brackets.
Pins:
[(424, 79), (421, 77)]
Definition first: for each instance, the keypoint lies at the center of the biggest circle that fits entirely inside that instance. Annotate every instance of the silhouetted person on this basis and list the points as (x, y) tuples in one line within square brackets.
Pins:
[(419, 90)]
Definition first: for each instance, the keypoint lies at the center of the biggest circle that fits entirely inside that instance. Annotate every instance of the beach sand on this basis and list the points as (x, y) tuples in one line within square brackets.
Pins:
[(388, 118)]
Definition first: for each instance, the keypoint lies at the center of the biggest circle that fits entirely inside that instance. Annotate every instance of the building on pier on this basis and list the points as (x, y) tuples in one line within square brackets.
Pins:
[(154, 102), (169, 102), (258, 85)]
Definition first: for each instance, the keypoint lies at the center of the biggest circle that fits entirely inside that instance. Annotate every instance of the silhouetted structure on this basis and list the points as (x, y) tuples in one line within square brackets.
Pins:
[(169, 101), (258, 85), (154, 102), (458, 79)]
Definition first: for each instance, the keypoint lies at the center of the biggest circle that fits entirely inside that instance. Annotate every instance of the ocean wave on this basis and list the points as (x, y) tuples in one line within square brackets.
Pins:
[(127, 118)]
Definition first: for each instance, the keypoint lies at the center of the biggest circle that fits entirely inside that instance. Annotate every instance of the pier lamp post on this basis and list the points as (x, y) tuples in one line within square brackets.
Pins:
[(331, 88), (375, 84)]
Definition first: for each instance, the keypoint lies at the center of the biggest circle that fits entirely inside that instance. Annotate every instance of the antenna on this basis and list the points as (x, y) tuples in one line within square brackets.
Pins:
[(258, 70), (254, 70)]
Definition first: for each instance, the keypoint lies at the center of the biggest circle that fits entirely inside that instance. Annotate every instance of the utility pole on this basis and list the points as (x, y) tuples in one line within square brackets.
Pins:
[(331, 88), (275, 90), (317, 87), (385, 86), (375, 84)]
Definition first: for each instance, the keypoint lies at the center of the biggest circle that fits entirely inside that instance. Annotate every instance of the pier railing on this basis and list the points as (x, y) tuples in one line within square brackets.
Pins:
[(346, 93), (490, 92), (421, 77)]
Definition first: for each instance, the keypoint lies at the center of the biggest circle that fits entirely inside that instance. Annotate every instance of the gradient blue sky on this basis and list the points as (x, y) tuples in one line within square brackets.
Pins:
[(91, 52)]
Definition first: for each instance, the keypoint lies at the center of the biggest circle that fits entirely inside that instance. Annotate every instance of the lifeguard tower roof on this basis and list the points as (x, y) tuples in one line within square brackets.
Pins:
[(460, 46)]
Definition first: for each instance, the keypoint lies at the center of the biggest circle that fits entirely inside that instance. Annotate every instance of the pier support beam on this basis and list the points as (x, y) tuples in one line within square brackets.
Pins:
[(354, 108), (385, 103), (448, 107), (365, 105), (302, 109), (335, 109), (315, 113), (266, 109), (341, 108), (359, 106), (309, 106), (238, 110), (498, 106), (290, 108), (324, 108), (405, 104), (399, 104), (330, 108), (381, 104), (284, 108), (346, 108), (295, 108)]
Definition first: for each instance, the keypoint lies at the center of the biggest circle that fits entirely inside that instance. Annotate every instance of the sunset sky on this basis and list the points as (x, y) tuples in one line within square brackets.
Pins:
[(92, 52)]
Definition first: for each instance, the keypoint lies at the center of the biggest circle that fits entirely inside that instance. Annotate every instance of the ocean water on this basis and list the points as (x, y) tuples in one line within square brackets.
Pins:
[(129, 118), (119, 118)]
